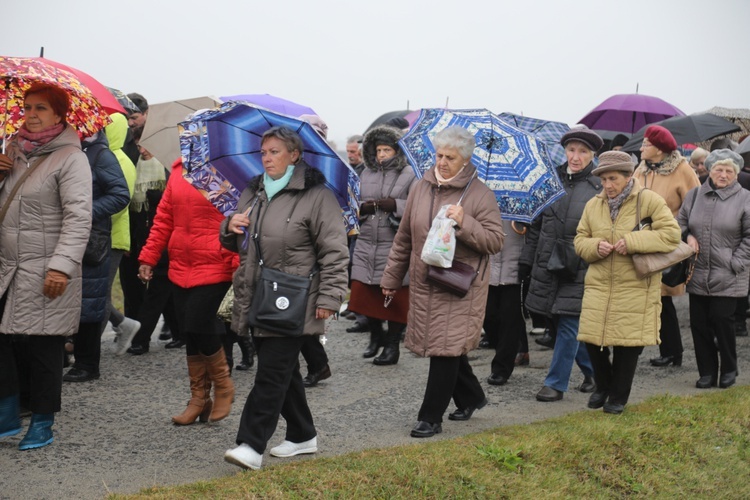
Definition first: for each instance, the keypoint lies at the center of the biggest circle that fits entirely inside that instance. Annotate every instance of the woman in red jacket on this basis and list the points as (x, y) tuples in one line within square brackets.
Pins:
[(187, 226)]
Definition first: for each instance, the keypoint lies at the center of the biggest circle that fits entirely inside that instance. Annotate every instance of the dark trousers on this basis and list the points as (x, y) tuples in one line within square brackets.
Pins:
[(504, 326), (449, 377), (88, 347), (740, 315), (133, 289), (112, 314), (278, 390), (671, 340), (713, 317), (314, 353), (32, 364), (614, 377), (157, 301)]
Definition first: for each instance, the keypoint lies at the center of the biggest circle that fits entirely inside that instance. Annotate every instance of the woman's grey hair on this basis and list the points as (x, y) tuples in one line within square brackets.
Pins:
[(289, 137), (458, 138), (697, 155)]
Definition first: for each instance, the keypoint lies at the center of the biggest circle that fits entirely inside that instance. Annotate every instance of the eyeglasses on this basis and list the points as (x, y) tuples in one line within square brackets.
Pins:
[(646, 144)]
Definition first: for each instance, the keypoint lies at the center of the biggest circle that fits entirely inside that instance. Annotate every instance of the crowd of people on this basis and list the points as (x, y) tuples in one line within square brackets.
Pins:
[(75, 212)]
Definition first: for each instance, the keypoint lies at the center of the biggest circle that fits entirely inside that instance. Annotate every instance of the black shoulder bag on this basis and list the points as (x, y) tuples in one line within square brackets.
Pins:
[(100, 242), (279, 303)]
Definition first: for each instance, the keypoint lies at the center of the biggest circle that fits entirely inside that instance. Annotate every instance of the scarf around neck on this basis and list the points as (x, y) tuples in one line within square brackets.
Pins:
[(29, 141), (441, 180), (616, 202), (274, 186), (149, 175)]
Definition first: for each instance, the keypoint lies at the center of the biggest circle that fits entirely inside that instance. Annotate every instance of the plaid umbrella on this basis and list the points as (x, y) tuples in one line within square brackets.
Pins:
[(18, 73), (549, 133), (511, 162), (221, 153)]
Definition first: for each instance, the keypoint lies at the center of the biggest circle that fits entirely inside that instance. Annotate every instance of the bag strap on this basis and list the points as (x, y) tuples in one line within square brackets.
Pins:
[(15, 189)]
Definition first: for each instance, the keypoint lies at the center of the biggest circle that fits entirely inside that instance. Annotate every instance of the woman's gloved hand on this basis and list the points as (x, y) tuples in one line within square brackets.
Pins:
[(386, 204), (367, 208)]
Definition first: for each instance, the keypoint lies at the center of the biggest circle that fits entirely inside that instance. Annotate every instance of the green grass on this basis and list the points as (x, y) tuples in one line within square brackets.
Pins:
[(666, 447)]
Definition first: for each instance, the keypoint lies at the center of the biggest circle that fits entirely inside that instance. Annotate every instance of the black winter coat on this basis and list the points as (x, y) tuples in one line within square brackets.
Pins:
[(110, 195), (548, 293)]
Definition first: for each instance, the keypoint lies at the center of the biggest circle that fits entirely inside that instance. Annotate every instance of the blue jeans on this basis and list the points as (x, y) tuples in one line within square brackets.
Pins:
[(567, 349)]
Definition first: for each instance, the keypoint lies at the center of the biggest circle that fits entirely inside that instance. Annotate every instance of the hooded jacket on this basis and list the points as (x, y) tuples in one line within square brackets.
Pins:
[(440, 323), (720, 221), (116, 132), (187, 226), (618, 308), (301, 227), (392, 179), (550, 294), (46, 227)]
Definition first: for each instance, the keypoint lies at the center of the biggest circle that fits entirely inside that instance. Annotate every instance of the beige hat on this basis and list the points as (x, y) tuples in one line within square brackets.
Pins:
[(614, 161)]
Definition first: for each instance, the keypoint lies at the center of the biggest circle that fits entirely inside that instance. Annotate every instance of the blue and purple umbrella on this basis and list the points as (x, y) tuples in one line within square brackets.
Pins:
[(548, 132), (221, 154), (273, 103), (511, 162)]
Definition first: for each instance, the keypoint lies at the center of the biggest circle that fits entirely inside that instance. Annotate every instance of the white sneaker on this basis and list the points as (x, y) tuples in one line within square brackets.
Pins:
[(125, 333), (289, 449), (244, 456)]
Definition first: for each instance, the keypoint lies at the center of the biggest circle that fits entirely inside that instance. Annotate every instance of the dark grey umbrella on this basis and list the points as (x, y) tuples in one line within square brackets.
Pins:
[(687, 129)]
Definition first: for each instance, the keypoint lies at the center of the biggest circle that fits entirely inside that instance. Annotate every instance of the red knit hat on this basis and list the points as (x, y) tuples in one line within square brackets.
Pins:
[(661, 138)]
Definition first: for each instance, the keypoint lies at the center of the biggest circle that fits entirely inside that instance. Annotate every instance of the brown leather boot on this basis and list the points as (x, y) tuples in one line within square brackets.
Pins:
[(218, 372), (199, 405)]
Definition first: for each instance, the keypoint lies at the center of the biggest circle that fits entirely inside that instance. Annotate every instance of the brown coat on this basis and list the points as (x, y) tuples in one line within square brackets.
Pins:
[(672, 181), (313, 233), (442, 324)]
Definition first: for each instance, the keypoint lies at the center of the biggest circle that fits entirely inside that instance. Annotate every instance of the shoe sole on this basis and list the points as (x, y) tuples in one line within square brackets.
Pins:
[(547, 400), (11, 432), (421, 435), (35, 445), (239, 463), (295, 453)]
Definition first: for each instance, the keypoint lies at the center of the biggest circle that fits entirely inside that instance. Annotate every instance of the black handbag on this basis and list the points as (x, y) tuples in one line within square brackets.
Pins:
[(279, 303), (456, 279), (97, 249), (563, 261)]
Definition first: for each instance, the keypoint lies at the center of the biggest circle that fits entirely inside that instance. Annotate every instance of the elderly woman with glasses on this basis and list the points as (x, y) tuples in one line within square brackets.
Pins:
[(667, 173), (716, 217)]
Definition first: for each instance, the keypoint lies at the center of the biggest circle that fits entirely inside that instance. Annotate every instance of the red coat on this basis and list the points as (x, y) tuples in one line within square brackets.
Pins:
[(187, 225)]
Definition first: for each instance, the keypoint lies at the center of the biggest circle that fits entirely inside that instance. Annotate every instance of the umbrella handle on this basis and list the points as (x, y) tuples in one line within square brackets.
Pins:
[(5, 120)]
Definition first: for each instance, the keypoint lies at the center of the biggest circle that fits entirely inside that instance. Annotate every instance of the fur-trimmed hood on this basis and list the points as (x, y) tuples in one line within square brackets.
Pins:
[(304, 177), (670, 163), (382, 134)]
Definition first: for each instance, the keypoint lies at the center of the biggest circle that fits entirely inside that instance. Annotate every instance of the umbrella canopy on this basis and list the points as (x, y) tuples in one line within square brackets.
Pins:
[(687, 129), (744, 147), (18, 73), (511, 162), (273, 103), (548, 132), (125, 101), (221, 153), (628, 113), (160, 135), (385, 117), (738, 116)]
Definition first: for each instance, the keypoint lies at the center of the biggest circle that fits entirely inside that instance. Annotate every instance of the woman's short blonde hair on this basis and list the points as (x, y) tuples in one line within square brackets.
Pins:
[(697, 155), (457, 138)]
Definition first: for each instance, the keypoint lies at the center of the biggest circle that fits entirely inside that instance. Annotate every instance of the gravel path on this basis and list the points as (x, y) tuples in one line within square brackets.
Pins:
[(115, 434)]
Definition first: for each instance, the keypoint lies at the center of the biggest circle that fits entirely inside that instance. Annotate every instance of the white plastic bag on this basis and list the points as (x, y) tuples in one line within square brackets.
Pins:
[(440, 245)]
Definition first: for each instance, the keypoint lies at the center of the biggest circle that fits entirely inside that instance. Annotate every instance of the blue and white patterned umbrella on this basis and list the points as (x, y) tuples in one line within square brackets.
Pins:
[(511, 162), (548, 132), (221, 153)]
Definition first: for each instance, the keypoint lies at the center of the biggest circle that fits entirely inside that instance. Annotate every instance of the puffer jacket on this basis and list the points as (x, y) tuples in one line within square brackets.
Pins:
[(504, 264), (550, 294), (440, 323), (46, 227), (117, 132), (393, 179), (300, 227), (187, 226), (618, 308), (109, 196), (720, 221)]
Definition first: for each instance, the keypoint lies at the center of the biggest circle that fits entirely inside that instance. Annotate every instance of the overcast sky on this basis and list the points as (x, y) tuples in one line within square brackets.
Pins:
[(354, 60)]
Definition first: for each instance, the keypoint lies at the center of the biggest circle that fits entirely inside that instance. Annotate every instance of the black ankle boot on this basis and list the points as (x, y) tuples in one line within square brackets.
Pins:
[(247, 349), (391, 352), (376, 338)]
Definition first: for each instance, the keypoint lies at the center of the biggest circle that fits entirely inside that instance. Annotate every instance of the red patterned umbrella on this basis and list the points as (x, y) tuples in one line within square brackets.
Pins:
[(87, 114)]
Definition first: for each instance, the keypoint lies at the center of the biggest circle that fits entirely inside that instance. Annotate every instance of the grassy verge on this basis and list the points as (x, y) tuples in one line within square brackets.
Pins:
[(689, 447)]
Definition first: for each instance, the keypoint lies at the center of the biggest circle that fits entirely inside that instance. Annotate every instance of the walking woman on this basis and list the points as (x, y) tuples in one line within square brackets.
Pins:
[(385, 184), (442, 326), (298, 225), (43, 236), (668, 174), (620, 312), (717, 218)]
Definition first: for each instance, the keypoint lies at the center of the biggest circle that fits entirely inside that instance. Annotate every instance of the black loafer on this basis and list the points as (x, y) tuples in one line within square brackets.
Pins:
[(312, 379), (79, 375), (497, 379), (706, 382), (597, 400), (548, 394), (466, 413), (587, 386), (484, 344), (727, 380), (426, 430), (137, 350), (546, 341), (666, 361), (358, 328), (175, 344), (613, 408)]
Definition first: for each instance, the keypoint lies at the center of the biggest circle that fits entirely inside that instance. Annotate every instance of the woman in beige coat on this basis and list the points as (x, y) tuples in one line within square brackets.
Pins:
[(443, 326), (620, 311)]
